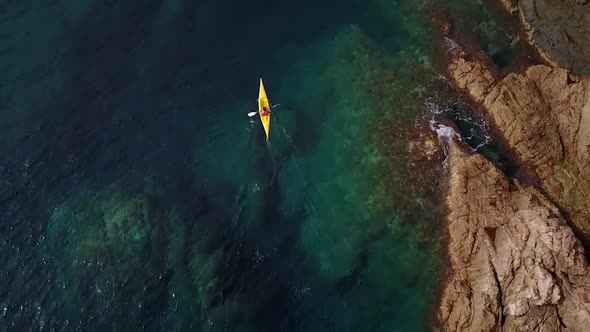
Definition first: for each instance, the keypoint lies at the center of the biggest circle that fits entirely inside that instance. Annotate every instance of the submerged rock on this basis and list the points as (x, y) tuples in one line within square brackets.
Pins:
[(516, 265), (559, 30), (129, 250), (111, 224), (102, 247)]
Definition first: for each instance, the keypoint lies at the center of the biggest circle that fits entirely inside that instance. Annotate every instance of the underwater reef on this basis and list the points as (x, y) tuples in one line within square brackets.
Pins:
[(117, 247)]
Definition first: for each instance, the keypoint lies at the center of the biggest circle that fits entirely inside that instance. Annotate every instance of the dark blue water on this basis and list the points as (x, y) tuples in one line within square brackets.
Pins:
[(136, 194)]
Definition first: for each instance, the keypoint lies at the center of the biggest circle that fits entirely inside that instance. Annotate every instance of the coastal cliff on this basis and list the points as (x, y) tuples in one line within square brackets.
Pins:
[(543, 116), (516, 265), (516, 241)]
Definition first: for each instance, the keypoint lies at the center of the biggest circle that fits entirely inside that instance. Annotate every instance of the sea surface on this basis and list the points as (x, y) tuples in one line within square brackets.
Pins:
[(137, 195)]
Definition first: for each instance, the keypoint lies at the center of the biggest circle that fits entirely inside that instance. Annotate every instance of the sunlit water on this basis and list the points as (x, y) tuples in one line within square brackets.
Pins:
[(136, 193)]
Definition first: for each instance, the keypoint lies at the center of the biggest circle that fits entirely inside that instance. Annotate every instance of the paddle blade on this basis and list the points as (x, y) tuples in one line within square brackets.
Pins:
[(251, 114)]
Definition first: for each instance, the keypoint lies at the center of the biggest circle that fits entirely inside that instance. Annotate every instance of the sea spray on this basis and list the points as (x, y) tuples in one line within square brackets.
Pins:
[(445, 134)]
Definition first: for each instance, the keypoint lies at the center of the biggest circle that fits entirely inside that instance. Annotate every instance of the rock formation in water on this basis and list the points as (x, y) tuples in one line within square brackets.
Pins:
[(516, 265), (559, 29), (543, 115)]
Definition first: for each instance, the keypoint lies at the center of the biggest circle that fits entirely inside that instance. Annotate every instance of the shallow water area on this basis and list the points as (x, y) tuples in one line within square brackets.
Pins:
[(138, 195)]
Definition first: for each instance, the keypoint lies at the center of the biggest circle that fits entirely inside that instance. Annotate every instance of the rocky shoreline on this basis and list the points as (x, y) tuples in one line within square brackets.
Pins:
[(516, 263), (517, 266)]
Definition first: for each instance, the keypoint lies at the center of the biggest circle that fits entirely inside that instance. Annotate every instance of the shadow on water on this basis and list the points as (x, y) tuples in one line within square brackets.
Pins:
[(303, 136)]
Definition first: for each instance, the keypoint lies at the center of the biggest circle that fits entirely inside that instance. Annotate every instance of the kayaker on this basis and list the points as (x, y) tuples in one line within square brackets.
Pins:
[(264, 111)]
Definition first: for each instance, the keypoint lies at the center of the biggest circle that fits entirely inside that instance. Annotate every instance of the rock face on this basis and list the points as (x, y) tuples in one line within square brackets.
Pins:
[(472, 76), (543, 115), (560, 29), (516, 265)]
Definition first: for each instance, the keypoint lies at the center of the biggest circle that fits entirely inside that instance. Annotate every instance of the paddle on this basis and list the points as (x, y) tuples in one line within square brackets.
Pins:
[(251, 114)]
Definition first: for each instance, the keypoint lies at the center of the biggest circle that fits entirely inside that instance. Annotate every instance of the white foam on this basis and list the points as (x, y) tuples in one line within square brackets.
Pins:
[(451, 46), (444, 133)]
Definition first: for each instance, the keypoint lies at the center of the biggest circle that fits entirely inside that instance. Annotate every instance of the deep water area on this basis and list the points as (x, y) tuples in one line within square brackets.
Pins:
[(137, 195)]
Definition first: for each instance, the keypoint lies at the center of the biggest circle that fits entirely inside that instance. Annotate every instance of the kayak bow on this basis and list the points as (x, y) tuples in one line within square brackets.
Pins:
[(262, 104)]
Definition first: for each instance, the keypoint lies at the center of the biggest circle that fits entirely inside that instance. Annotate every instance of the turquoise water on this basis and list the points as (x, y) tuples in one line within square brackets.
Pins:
[(138, 195)]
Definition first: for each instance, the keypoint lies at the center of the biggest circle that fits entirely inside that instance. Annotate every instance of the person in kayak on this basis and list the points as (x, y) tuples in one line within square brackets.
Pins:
[(264, 111)]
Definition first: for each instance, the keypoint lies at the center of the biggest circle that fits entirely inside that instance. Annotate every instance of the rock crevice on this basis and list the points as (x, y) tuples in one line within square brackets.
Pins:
[(516, 264), (543, 116)]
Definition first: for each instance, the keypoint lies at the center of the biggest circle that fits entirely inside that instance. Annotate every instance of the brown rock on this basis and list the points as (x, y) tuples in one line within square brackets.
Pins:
[(516, 265), (523, 116), (544, 117), (472, 76)]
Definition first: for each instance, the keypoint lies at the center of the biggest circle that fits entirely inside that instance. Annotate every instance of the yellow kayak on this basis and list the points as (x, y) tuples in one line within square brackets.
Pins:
[(264, 109)]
